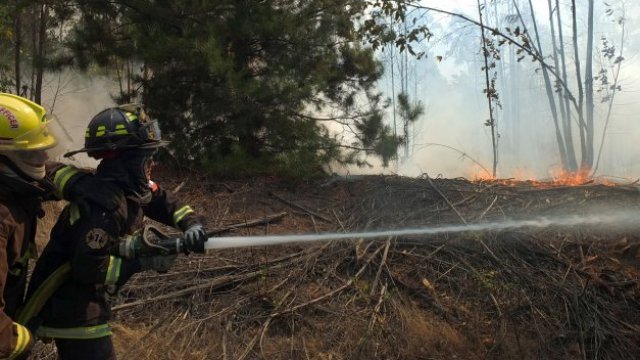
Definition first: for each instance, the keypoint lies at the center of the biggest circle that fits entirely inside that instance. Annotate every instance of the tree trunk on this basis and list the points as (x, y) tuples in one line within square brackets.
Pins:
[(588, 85), (568, 126), (34, 47), (616, 78), (582, 126), (40, 54), (549, 89), (492, 123), (571, 164), (17, 49)]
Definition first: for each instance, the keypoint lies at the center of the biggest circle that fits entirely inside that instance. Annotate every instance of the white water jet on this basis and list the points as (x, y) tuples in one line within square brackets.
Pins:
[(627, 219)]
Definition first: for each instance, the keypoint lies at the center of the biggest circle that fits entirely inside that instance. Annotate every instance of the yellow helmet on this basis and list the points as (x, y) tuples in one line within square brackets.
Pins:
[(23, 125)]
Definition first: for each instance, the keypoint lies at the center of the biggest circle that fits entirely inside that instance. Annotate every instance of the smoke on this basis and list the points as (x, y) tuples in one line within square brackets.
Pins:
[(73, 99), (451, 139)]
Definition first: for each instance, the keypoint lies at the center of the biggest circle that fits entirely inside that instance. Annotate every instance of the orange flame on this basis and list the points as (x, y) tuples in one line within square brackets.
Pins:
[(557, 177)]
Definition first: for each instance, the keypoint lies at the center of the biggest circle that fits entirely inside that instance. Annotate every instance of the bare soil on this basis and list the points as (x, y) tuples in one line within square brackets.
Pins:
[(526, 293)]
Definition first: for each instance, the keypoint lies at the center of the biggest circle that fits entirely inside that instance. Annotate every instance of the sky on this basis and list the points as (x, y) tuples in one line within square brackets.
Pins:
[(450, 139)]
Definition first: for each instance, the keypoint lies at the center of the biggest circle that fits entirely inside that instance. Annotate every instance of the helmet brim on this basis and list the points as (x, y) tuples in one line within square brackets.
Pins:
[(149, 145)]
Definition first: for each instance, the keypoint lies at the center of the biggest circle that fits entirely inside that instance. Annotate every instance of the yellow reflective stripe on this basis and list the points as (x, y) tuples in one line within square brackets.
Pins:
[(113, 271), (43, 293), (181, 213), (82, 333), (74, 213), (121, 130), (87, 133), (62, 177), (131, 116), (22, 341), (101, 130)]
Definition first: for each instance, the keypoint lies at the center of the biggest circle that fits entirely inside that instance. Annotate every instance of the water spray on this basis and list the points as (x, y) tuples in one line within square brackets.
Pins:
[(154, 242), (628, 220)]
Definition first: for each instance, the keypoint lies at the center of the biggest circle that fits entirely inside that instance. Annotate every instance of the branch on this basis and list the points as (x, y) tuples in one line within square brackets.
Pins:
[(310, 212), (462, 153), (511, 40)]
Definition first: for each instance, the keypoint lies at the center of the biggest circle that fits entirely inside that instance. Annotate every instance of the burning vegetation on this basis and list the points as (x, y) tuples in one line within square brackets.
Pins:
[(559, 292)]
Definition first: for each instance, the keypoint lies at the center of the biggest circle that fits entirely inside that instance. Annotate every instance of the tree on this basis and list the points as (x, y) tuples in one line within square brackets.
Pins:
[(251, 79), (27, 38), (580, 113), (489, 51)]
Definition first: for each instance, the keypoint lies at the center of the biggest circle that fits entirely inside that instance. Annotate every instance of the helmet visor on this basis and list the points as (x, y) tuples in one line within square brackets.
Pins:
[(150, 131)]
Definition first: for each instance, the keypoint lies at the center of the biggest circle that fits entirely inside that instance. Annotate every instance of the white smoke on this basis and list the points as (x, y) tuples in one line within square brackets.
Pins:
[(73, 99)]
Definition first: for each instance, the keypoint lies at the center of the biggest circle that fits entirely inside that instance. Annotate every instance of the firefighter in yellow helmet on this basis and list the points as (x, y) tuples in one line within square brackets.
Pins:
[(24, 139)]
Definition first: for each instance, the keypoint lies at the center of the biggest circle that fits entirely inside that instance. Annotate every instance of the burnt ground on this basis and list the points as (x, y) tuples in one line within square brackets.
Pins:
[(525, 293)]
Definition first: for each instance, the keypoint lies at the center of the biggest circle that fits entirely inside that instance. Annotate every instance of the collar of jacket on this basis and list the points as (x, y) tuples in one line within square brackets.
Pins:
[(14, 188)]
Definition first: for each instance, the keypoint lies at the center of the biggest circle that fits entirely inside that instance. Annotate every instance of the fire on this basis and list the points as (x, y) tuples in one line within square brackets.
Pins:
[(521, 176), (561, 176)]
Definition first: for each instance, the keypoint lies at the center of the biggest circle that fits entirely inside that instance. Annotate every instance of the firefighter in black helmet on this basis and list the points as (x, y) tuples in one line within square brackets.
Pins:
[(76, 315)]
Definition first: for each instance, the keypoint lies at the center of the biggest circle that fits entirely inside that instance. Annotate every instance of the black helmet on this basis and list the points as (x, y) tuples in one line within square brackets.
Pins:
[(118, 128)]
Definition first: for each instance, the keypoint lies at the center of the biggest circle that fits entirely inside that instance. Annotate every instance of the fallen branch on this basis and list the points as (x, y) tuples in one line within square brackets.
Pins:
[(376, 309), (445, 199), (310, 212), (487, 209), (212, 285), (250, 223), (382, 264), (333, 292)]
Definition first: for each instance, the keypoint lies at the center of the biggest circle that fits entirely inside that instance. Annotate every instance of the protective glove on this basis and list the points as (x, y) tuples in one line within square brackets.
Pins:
[(159, 263), (194, 238)]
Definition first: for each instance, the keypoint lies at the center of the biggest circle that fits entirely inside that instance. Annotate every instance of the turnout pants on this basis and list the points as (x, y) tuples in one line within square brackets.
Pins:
[(90, 349)]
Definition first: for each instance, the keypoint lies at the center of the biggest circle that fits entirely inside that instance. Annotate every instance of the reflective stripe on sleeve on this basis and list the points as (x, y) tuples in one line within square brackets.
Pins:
[(181, 213), (82, 333), (22, 341), (113, 271), (61, 178), (43, 293), (74, 213)]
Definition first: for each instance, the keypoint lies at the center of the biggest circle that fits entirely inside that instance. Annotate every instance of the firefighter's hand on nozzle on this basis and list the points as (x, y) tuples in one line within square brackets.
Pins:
[(194, 238)]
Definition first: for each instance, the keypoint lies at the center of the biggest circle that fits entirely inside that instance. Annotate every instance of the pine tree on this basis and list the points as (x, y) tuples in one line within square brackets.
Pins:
[(245, 78)]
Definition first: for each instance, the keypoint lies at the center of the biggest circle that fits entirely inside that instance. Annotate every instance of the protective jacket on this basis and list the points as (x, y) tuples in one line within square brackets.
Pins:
[(85, 237), (19, 208)]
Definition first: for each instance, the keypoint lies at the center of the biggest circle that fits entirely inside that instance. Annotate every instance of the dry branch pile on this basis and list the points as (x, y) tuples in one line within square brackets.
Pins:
[(525, 293)]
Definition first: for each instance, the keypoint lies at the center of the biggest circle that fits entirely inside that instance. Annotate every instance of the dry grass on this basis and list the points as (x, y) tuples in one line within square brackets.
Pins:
[(52, 210), (513, 294), (427, 335)]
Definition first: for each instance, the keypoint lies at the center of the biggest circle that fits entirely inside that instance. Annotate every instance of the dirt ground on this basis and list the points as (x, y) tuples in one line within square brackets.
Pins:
[(552, 292)]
